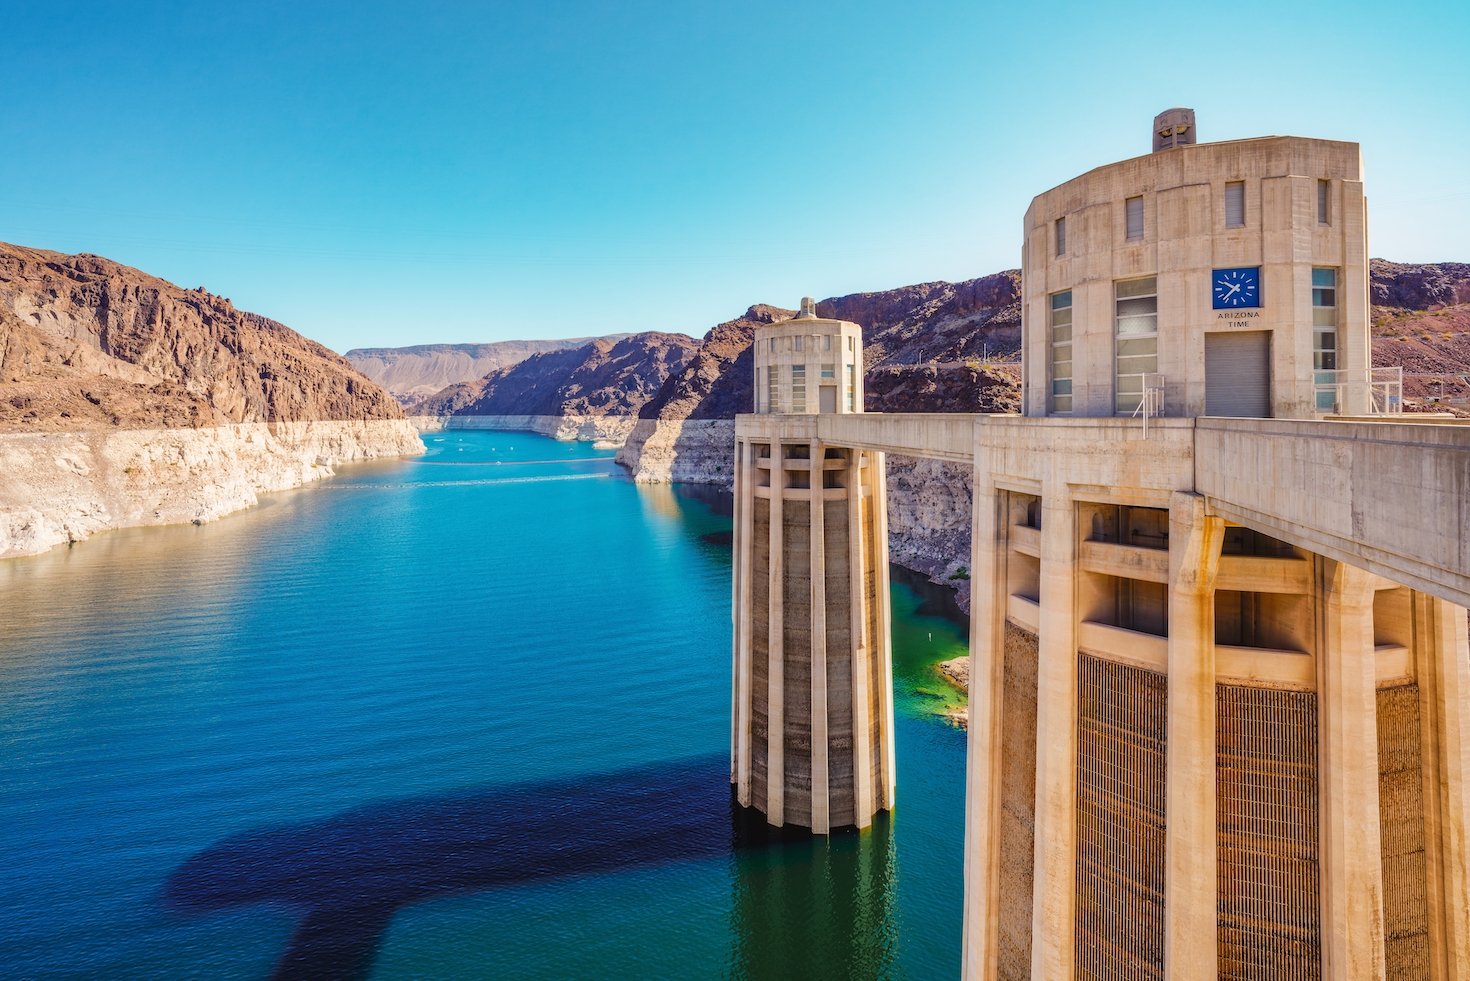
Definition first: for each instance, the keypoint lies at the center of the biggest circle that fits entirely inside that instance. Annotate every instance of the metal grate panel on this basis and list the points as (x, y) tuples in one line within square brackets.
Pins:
[(1401, 825), (1269, 901), (1120, 821)]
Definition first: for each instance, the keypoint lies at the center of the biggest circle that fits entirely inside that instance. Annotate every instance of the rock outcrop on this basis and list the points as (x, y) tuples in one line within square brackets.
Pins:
[(126, 400), (413, 373)]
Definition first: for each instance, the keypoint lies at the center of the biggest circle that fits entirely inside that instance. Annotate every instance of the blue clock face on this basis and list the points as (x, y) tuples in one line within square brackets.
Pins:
[(1234, 288)]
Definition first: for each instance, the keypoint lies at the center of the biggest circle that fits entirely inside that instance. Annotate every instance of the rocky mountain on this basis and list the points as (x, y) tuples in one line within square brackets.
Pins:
[(600, 378), (412, 373), (86, 342)]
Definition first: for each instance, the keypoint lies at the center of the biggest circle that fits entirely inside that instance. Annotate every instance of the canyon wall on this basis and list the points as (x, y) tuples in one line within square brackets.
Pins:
[(126, 400), (59, 487), (414, 373)]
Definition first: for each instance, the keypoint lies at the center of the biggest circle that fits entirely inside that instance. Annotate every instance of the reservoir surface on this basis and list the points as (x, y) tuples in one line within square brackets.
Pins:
[(460, 716)]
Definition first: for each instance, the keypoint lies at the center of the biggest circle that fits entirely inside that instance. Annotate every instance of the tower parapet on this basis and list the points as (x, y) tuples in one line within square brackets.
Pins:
[(808, 364)]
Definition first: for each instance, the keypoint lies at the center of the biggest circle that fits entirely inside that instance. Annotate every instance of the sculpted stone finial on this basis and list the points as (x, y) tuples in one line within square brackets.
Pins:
[(808, 309)]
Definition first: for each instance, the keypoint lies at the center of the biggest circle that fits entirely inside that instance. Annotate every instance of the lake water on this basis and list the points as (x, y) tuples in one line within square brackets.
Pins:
[(460, 716)]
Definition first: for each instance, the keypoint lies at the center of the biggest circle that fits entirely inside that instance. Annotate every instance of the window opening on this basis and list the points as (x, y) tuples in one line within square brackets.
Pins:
[(1061, 236), (1134, 207), (1061, 351), (851, 387), (1322, 200), (1137, 326), (1235, 204), (1325, 375), (798, 388)]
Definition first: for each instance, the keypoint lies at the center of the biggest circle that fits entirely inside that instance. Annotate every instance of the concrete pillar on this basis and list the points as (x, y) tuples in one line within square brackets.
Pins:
[(1053, 926), (745, 481), (862, 646), (1190, 823), (776, 670), (737, 560), (1443, 668), (1352, 852), (983, 761), (882, 647), (821, 822)]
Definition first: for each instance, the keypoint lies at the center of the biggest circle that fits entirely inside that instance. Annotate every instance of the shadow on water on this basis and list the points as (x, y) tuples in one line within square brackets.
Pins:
[(803, 906), (808, 907)]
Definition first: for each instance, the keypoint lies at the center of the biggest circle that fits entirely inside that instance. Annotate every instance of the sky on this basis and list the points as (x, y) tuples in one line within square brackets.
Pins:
[(380, 174)]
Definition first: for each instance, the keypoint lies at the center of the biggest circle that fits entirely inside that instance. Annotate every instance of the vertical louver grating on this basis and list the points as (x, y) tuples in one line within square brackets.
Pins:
[(1120, 821), (1269, 908)]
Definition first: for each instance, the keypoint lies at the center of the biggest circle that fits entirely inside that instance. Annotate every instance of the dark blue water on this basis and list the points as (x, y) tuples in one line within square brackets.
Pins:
[(455, 717)]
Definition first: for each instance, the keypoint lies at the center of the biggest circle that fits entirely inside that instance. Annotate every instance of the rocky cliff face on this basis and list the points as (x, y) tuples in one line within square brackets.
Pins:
[(85, 341), (601, 378), (413, 373), (64, 487), (127, 400)]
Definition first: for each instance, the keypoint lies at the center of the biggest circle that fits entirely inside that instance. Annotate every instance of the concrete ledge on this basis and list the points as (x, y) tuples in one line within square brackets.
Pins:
[(1026, 540), (1262, 667), (1263, 574), (1393, 666), (1120, 644), (1126, 561), (1025, 613)]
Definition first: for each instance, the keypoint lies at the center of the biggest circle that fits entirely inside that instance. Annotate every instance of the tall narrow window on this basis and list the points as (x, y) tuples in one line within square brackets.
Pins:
[(826, 342), (851, 387), (1137, 307), (773, 345), (771, 398), (1324, 338), (1061, 236), (798, 388), (1061, 352), (1134, 208), (798, 343), (1322, 214), (1235, 204)]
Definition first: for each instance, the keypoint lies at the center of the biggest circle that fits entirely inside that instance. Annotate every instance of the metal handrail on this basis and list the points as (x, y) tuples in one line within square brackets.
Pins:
[(1152, 403)]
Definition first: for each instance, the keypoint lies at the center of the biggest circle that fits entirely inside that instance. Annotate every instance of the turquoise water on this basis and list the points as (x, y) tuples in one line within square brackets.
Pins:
[(454, 717)]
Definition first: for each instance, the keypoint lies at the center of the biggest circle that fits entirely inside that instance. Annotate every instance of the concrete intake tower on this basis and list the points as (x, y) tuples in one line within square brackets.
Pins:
[(811, 742)]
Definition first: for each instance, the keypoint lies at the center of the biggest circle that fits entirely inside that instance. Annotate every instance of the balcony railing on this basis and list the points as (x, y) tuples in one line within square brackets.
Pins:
[(1385, 390)]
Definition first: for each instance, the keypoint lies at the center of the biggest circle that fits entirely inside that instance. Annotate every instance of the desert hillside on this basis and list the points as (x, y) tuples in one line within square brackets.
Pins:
[(1421, 320), (88, 343), (412, 373), (600, 378)]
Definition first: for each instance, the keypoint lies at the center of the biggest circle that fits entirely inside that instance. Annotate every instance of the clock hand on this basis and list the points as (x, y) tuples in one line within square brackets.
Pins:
[(1234, 288)]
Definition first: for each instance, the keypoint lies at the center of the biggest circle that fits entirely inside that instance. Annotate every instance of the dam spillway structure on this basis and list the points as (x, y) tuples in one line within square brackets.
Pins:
[(811, 741)]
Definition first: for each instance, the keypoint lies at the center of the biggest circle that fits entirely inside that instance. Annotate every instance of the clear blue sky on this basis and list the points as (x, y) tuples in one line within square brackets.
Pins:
[(376, 174)]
